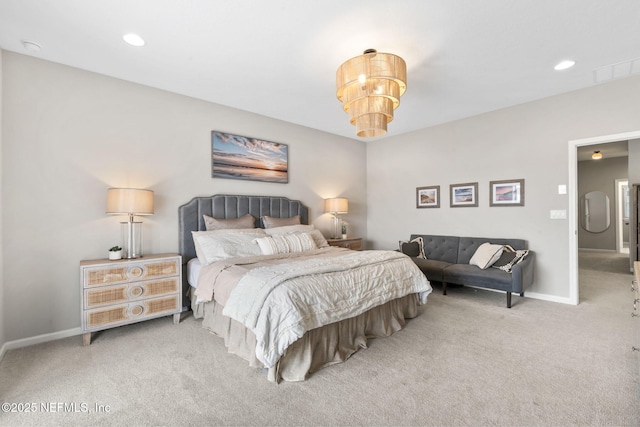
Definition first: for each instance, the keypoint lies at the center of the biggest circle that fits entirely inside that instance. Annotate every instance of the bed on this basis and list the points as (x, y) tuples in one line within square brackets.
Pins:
[(247, 296)]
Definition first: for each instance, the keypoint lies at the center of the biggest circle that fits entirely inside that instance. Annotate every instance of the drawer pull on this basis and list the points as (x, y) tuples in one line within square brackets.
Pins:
[(635, 348), (137, 310), (135, 272)]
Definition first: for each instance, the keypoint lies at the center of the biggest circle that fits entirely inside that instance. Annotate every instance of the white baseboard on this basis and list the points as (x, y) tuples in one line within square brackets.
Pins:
[(533, 295), (25, 342), (546, 297)]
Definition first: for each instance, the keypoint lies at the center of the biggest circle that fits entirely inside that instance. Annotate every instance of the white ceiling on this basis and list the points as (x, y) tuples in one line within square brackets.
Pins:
[(278, 58)]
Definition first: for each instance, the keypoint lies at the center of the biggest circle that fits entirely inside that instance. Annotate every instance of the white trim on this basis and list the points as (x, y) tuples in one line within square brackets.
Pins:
[(38, 339), (546, 297), (574, 297), (527, 294), (620, 183)]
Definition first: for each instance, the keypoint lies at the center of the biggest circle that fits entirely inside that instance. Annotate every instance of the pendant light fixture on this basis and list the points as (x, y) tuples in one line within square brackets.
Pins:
[(369, 87)]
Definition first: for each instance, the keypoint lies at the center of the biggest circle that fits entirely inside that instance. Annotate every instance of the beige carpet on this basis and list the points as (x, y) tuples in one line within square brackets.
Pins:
[(466, 360)]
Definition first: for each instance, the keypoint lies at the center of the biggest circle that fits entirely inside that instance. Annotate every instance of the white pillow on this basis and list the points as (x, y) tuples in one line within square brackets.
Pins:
[(216, 245), (317, 236), (486, 255), (286, 243), (287, 229)]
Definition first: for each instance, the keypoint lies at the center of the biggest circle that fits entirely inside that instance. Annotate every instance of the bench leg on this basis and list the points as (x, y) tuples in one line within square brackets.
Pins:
[(444, 288), (508, 299)]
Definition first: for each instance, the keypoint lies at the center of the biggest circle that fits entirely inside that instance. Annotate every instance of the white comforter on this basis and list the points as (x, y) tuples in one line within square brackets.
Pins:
[(279, 303)]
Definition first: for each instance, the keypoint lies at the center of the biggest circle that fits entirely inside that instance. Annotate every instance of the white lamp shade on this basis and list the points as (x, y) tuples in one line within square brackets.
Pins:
[(337, 205), (132, 201)]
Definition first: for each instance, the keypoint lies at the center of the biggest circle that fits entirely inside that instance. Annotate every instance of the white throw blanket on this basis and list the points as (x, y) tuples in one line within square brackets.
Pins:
[(279, 303)]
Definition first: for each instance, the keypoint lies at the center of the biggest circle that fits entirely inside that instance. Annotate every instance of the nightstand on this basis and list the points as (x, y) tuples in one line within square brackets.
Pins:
[(116, 293), (354, 243)]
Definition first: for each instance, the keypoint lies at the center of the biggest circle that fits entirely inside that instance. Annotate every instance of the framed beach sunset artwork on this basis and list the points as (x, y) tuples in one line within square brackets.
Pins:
[(464, 195), (428, 197), (243, 157), (507, 193)]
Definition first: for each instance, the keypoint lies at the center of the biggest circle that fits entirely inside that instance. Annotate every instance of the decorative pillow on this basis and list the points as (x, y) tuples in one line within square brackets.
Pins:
[(414, 248), (211, 223), (285, 243), (509, 258), (216, 245), (270, 222), (508, 253), (486, 255), (317, 236)]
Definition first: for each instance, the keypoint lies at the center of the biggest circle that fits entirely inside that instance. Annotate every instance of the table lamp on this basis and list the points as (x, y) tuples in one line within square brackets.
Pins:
[(130, 201), (335, 207)]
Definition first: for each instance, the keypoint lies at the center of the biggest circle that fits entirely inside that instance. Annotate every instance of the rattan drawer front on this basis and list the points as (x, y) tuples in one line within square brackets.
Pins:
[(162, 269), (102, 318), (102, 275), (354, 243), (105, 296), (116, 294)]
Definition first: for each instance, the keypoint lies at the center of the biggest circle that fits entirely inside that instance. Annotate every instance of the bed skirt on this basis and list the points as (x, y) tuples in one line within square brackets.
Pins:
[(319, 347)]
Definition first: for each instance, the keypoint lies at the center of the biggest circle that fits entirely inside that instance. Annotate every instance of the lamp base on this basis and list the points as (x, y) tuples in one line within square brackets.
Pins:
[(131, 239), (336, 227)]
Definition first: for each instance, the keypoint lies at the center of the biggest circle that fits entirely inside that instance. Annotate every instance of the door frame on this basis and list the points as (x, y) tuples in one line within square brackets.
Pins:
[(620, 215), (574, 291)]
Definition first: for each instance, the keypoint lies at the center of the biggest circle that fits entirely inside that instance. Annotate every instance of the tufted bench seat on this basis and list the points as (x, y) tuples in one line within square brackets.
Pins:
[(447, 261)]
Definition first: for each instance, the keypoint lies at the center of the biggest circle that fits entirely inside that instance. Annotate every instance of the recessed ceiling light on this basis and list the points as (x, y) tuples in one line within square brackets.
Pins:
[(133, 39), (564, 65), (31, 46)]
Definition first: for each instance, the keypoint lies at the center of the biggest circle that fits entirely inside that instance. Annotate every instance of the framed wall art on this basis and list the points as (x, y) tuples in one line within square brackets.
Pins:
[(242, 157), (507, 193), (428, 197), (462, 195)]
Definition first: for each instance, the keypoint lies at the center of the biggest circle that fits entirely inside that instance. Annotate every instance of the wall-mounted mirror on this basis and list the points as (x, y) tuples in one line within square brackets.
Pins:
[(594, 215)]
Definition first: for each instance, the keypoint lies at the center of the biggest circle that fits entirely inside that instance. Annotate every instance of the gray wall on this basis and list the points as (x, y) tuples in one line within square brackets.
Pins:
[(69, 134), (528, 141), (600, 175)]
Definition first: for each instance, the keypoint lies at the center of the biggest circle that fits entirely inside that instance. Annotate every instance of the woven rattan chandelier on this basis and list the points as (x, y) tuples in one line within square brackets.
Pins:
[(369, 87)]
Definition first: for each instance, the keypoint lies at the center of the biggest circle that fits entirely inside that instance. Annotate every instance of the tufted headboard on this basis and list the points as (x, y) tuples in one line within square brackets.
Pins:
[(228, 207)]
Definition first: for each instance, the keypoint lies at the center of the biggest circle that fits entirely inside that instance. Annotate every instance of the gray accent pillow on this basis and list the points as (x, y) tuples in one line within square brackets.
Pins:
[(211, 223), (509, 258), (413, 248)]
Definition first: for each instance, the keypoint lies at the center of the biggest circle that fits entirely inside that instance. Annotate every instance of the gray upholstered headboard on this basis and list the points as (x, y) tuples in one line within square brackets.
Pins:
[(227, 207)]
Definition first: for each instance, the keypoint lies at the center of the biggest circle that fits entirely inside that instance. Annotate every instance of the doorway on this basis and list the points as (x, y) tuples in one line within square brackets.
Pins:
[(574, 291)]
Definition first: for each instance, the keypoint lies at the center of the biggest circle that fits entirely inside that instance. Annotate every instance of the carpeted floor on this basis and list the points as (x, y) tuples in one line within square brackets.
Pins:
[(466, 360)]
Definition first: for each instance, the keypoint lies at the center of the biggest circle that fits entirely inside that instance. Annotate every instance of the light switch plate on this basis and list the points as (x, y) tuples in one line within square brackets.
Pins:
[(558, 214), (562, 189)]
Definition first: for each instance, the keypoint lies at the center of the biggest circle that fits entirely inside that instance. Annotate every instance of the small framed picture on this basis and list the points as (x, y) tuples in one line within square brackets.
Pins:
[(428, 197), (464, 195), (507, 193)]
